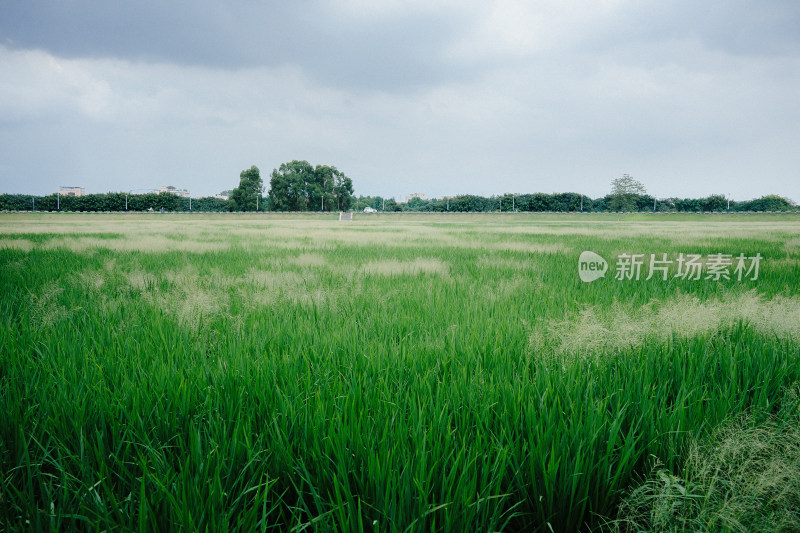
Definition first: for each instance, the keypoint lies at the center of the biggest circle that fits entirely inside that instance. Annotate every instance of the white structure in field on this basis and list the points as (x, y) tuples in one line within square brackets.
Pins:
[(345, 216), (183, 193)]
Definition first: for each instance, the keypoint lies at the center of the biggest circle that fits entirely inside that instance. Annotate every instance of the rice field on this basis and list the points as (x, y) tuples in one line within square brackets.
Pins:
[(396, 373)]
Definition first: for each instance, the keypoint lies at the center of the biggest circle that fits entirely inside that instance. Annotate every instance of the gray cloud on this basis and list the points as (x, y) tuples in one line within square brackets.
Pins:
[(333, 45), (440, 97)]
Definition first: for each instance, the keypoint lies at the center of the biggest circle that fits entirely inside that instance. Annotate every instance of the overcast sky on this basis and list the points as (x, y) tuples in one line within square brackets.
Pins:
[(440, 97)]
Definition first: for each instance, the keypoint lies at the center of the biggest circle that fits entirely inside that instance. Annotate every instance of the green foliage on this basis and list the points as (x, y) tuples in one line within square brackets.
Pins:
[(208, 204), (375, 202), (767, 203), (714, 203), (468, 203), (626, 192), (248, 195), (111, 202), (559, 202), (297, 186), (288, 186), (334, 186)]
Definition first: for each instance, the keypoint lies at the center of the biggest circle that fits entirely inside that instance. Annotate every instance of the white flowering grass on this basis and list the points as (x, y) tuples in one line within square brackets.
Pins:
[(622, 327), (419, 265)]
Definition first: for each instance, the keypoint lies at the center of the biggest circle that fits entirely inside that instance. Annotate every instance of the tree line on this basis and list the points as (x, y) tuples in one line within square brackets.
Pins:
[(465, 203), (627, 195), (572, 203), (299, 186), (294, 186), (111, 201)]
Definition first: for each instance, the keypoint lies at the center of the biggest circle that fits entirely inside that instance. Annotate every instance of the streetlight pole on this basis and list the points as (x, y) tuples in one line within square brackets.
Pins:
[(729, 203), (58, 202), (33, 202)]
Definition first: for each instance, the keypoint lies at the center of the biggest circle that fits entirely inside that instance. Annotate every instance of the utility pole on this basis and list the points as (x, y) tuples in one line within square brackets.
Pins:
[(190, 203), (58, 202), (581, 203), (729, 203), (33, 201), (654, 204)]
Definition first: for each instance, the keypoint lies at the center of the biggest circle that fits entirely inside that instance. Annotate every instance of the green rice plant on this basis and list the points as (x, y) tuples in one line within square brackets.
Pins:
[(240, 373)]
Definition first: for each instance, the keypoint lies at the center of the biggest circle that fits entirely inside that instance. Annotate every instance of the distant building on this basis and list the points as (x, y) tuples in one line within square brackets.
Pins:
[(415, 195), (183, 193), (221, 196), (71, 191)]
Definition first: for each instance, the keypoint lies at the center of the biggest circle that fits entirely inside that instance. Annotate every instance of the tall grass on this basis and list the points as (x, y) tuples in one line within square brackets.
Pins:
[(299, 374), (744, 477)]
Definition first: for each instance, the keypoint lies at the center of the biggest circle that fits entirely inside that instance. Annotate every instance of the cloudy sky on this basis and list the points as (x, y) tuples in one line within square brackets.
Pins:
[(439, 97)]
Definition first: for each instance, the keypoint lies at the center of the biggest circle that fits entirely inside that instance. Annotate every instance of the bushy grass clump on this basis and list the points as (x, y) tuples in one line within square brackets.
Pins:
[(743, 477)]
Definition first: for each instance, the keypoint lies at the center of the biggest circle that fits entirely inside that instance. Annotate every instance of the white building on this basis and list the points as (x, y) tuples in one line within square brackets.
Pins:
[(183, 193), (71, 191), (415, 195)]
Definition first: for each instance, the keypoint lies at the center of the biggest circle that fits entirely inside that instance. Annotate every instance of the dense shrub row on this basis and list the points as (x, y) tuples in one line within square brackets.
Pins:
[(572, 202), (537, 202), (112, 201)]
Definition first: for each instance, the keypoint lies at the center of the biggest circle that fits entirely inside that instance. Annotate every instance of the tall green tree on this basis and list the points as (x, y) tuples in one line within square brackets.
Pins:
[(323, 197), (248, 195), (297, 186), (625, 193), (288, 186), (342, 187)]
